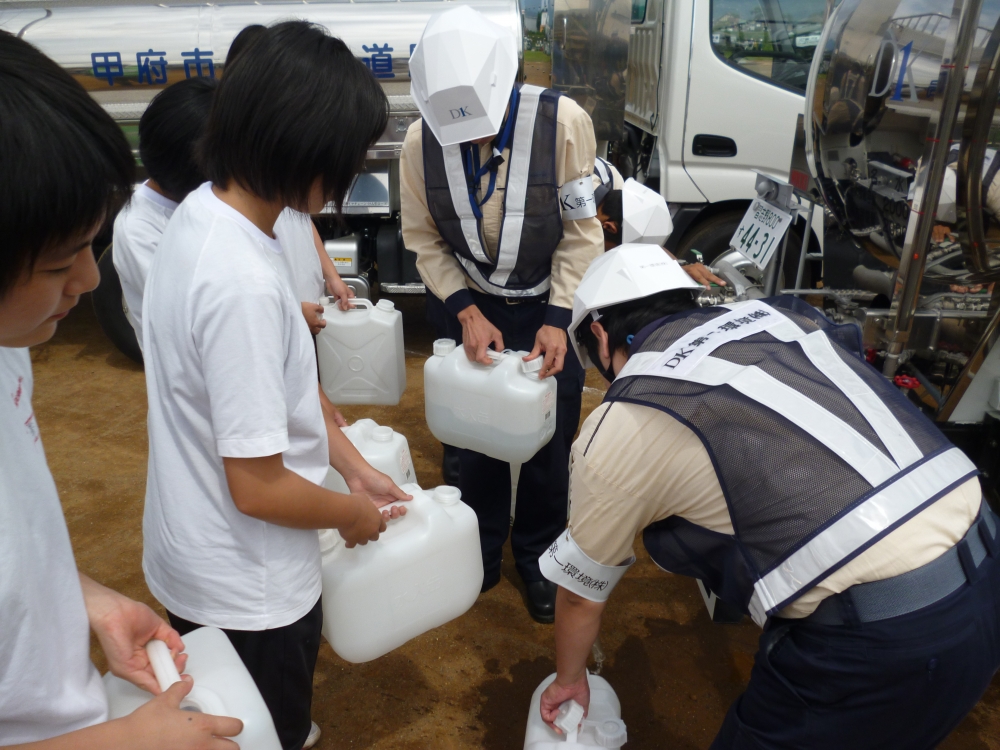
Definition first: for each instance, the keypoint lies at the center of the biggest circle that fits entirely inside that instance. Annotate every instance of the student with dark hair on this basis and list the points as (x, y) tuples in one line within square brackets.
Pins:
[(168, 131), (64, 167), (312, 270), (241, 42), (240, 437)]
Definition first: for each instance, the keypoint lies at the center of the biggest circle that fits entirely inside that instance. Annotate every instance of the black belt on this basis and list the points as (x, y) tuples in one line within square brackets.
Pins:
[(918, 588)]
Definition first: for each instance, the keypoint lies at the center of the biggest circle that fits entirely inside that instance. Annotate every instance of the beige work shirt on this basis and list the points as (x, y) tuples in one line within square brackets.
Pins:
[(634, 465), (583, 240)]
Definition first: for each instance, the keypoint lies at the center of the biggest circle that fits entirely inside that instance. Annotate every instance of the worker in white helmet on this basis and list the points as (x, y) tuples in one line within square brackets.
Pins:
[(757, 451), (498, 205), (620, 201)]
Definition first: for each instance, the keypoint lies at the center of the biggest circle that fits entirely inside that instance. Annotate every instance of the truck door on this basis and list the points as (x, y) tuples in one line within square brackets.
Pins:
[(748, 67)]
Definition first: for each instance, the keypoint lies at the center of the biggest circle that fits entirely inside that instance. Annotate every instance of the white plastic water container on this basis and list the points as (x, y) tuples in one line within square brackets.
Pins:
[(603, 726), (383, 448), (424, 570), (222, 686), (501, 410), (360, 353)]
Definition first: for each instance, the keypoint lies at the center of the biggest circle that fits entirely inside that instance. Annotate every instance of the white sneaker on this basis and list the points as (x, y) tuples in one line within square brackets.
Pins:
[(313, 738)]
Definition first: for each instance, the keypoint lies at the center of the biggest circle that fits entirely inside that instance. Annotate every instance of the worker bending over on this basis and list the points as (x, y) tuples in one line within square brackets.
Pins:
[(498, 204), (758, 451)]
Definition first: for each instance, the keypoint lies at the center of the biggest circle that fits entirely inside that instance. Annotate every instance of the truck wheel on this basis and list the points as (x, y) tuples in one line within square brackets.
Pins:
[(711, 238), (109, 306)]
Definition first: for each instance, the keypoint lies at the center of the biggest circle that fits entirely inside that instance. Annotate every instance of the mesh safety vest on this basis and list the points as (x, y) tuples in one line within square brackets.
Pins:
[(819, 457), (532, 223)]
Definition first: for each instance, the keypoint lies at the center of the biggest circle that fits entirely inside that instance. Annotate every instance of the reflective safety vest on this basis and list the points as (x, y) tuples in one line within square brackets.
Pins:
[(532, 223), (819, 457)]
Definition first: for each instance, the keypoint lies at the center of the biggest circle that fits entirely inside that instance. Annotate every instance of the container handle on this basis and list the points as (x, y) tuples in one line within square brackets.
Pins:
[(162, 663), (356, 303), (200, 699)]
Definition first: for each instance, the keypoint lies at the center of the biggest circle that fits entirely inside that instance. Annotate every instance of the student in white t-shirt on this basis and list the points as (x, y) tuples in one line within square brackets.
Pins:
[(312, 270), (57, 139), (239, 441), (313, 273), (168, 131)]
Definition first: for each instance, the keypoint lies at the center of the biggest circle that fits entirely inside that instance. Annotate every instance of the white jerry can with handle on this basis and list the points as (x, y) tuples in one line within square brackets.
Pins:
[(424, 570), (501, 410), (222, 687), (383, 448), (360, 352), (603, 726)]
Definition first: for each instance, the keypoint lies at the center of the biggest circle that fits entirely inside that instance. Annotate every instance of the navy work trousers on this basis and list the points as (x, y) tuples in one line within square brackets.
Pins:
[(543, 486), (902, 683)]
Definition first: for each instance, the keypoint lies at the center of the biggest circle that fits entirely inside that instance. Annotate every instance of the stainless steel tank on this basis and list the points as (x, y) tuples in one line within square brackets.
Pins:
[(901, 129)]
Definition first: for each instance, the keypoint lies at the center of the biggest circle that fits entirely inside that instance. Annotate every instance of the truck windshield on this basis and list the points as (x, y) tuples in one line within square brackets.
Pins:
[(768, 39)]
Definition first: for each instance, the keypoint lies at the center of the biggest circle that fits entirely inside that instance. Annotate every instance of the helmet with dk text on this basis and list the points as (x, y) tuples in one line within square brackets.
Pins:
[(462, 72)]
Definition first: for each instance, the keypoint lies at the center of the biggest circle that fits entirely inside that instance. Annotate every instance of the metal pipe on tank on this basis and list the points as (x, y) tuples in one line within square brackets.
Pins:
[(976, 128), (929, 179)]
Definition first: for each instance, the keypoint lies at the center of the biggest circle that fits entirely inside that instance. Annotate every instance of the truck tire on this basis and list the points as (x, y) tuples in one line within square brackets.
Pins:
[(109, 306), (711, 238)]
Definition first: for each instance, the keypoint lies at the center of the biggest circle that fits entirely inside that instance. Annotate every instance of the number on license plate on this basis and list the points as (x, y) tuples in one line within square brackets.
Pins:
[(760, 231)]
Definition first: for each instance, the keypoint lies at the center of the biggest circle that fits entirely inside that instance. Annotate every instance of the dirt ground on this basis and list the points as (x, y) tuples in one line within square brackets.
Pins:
[(464, 685)]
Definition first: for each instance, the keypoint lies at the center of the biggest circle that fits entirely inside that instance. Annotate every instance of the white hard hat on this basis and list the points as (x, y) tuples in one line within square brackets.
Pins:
[(645, 216), (462, 72), (626, 273)]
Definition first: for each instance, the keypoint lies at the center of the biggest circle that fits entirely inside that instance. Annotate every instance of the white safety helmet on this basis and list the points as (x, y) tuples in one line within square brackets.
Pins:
[(462, 72), (626, 273), (645, 216)]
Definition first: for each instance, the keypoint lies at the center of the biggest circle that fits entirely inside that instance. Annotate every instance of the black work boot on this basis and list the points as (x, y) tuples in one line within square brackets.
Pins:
[(540, 598)]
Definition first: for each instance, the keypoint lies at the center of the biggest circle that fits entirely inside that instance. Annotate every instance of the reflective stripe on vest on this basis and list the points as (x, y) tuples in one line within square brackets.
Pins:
[(517, 185), (499, 291), (903, 484), (531, 227), (601, 168), (460, 197)]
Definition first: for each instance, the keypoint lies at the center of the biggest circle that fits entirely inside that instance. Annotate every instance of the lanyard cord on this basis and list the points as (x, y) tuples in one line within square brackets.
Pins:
[(470, 159)]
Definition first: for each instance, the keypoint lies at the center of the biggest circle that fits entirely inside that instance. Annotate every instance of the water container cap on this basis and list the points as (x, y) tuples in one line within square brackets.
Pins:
[(570, 716), (610, 733), (533, 365), (384, 304), (325, 301), (444, 347), (382, 434), (447, 495)]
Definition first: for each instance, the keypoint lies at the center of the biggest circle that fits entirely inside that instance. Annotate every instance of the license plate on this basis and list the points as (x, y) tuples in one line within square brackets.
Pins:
[(760, 232)]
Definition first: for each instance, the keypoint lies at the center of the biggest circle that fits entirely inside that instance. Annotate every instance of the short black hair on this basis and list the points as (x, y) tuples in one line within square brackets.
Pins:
[(301, 107), (169, 130), (612, 205), (241, 41), (628, 318), (64, 163)]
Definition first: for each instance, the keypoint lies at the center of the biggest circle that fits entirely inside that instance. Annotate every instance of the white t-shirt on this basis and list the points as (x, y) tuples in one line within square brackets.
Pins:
[(230, 371), (138, 229), (48, 685), (294, 231)]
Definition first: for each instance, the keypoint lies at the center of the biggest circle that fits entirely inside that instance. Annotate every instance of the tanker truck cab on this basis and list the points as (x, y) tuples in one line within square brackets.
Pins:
[(712, 91)]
